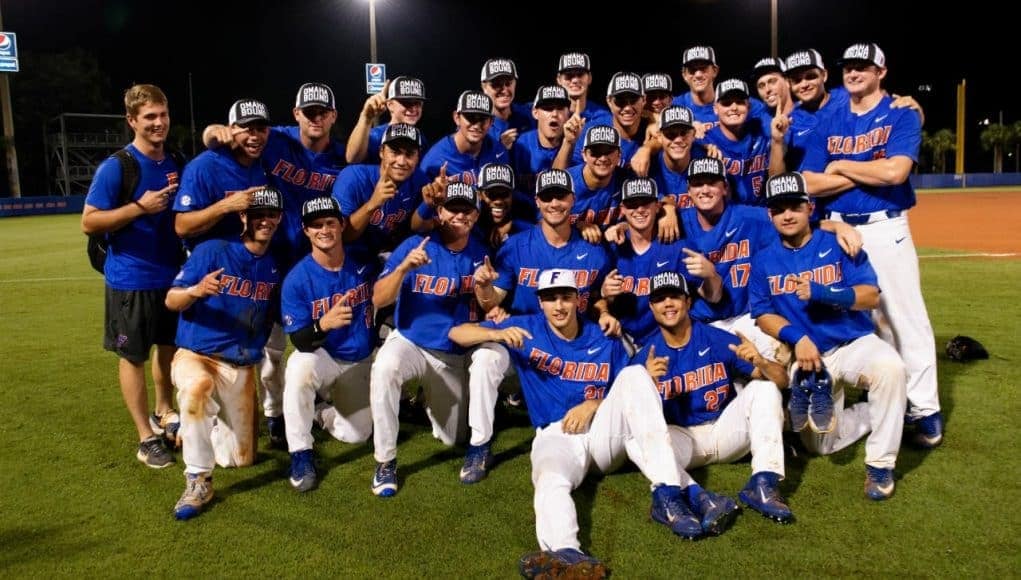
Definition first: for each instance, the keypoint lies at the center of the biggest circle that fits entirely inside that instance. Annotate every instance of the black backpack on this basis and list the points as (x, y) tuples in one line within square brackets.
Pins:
[(131, 174)]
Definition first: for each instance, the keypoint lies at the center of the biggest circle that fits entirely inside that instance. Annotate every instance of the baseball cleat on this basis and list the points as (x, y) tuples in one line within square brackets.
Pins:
[(153, 452), (384, 481), (477, 462), (928, 431), (879, 483), (563, 563), (303, 471), (277, 432), (797, 407), (670, 509), (198, 491), (717, 512), (821, 417), (761, 495)]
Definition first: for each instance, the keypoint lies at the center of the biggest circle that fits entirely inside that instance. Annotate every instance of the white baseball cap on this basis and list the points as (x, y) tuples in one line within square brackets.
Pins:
[(557, 278)]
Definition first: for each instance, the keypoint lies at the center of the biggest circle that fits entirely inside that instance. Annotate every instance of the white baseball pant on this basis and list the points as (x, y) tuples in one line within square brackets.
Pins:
[(271, 373), (490, 364), (217, 401), (345, 383), (442, 374), (875, 365), (628, 423), (753, 421)]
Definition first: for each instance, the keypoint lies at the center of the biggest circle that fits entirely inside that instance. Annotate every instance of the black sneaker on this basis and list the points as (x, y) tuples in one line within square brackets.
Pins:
[(153, 452)]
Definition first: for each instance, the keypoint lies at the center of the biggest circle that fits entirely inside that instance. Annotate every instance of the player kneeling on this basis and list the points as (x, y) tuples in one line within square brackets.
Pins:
[(694, 366), (224, 292), (590, 410), (328, 315), (808, 293)]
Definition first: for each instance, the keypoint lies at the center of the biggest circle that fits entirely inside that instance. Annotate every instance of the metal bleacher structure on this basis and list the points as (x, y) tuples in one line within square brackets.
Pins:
[(76, 143)]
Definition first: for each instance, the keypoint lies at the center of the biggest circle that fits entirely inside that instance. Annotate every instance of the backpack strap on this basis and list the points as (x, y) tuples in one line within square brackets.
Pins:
[(131, 174)]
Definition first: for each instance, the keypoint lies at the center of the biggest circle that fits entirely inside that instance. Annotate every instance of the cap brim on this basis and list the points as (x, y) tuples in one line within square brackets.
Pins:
[(453, 203), (844, 62), (404, 139), (698, 60), (553, 289), (306, 219), (733, 93), (323, 105), (574, 68), (787, 198), (251, 121), (557, 102), (554, 190), (667, 290)]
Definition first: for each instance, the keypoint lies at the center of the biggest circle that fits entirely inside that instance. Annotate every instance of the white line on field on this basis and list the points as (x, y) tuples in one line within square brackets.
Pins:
[(33, 280), (978, 255)]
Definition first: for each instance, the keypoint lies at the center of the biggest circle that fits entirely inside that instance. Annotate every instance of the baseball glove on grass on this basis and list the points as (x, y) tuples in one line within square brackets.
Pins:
[(964, 348)]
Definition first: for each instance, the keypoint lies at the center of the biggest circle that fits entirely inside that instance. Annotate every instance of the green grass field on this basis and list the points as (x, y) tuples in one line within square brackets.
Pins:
[(75, 502)]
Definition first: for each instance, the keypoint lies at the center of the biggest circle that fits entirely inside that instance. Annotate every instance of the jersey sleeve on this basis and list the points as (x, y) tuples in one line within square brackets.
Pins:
[(858, 270), (730, 359), (294, 302), (399, 254), (104, 192), (346, 190), (505, 264), (197, 266), (193, 193), (816, 155), (906, 135), (759, 299)]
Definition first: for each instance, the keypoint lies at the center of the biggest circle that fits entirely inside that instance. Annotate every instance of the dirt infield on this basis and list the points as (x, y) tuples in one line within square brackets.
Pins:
[(974, 221)]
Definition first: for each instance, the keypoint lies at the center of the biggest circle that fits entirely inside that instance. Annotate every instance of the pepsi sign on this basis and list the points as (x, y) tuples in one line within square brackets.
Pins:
[(375, 77), (8, 52)]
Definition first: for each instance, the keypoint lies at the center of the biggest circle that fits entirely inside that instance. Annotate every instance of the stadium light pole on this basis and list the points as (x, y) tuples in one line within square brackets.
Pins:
[(372, 31), (772, 28)]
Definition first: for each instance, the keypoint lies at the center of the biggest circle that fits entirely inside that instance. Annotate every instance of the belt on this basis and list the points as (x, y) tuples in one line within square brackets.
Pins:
[(857, 219)]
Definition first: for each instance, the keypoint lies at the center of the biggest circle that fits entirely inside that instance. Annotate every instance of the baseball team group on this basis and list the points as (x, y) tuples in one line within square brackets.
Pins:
[(670, 280)]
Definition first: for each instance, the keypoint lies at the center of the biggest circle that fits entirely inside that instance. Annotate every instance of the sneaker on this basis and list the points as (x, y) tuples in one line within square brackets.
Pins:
[(878, 483), (563, 563), (820, 411), (798, 407), (277, 432), (670, 509), (928, 431), (198, 491), (761, 495), (303, 471), (515, 400), (154, 453), (717, 512), (170, 427), (477, 462), (384, 481)]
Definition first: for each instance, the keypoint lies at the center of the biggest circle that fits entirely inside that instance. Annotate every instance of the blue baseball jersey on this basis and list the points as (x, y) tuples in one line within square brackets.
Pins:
[(439, 295), (462, 166), (699, 382), (300, 174), (376, 141), (776, 270), (529, 158), (757, 110), (557, 374), (804, 123), (746, 161), (523, 256), (145, 253), (234, 324), (308, 293), (881, 133), (210, 177), (631, 307), (389, 224), (520, 119), (742, 232), (600, 206), (595, 113), (670, 182)]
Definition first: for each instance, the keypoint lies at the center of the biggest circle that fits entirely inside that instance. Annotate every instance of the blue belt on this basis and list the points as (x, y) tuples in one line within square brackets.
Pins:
[(857, 219)]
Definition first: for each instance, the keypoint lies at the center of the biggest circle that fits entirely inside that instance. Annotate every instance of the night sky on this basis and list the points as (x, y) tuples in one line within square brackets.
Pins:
[(267, 49)]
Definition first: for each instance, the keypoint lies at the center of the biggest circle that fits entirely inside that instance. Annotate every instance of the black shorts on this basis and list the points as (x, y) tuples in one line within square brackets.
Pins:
[(135, 321)]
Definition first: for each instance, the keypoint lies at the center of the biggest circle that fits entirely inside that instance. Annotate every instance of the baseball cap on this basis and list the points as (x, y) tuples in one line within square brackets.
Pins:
[(868, 52), (317, 207), (574, 61), (804, 59), (552, 94), (245, 111), (315, 95), (731, 87), (706, 166), (657, 82), (668, 282), (768, 65), (676, 116), (557, 278), (475, 102), (405, 88), (399, 131), (624, 83), (496, 175), (788, 186), (601, 135), (553, 180), (498, 67), (698, 54), (461, 193), (639, 188), (266, 198)]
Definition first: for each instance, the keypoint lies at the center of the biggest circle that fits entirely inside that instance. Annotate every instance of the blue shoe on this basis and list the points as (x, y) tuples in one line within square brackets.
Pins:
[(277, 432), (563, 563), (879, 483), (761, 495), (928, 431), (303, 471), (670, 509), (198, 491), (716, 511), (477, 462), (384, 481), (820, 411), (798, 407)]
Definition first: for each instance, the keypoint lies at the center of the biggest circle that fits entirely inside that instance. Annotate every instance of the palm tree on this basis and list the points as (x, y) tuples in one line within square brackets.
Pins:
[(1016, 129), (938, 145), (997, 137)]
